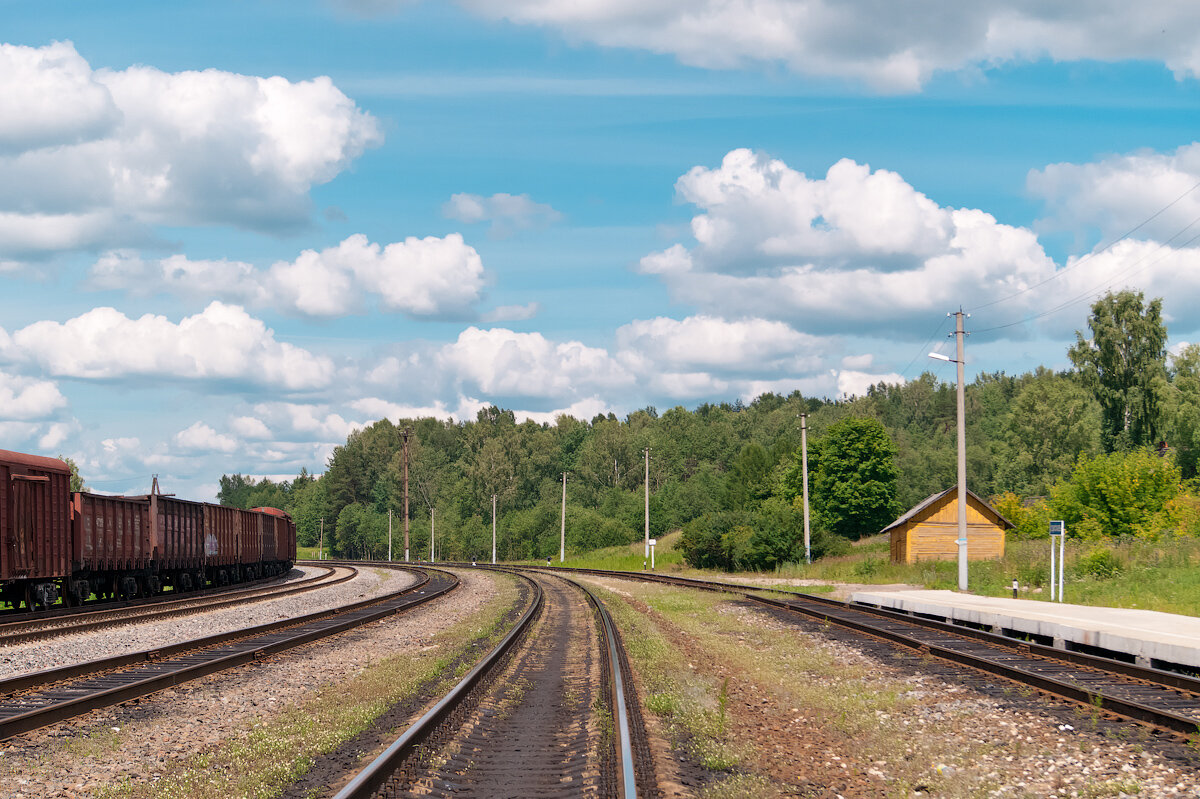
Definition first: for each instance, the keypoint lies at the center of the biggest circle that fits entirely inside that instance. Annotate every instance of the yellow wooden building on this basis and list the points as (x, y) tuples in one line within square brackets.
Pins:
[(930, 529)]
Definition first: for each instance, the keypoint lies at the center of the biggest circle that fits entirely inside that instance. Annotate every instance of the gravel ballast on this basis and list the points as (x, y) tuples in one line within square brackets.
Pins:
[(141, 636), (138, 740)]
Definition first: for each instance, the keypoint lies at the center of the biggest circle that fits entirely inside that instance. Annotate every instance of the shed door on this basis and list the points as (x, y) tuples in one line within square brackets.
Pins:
[(29, 494)]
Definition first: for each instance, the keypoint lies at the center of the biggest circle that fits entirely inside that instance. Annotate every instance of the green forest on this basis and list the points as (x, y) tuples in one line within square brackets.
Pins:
[(1110, 445)]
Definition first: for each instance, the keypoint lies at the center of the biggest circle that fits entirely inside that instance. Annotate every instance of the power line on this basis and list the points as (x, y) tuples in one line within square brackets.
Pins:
[(932, 336), (1133, 269), (1059, 273)]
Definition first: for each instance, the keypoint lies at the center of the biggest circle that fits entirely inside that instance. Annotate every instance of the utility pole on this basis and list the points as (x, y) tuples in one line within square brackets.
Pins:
[(647, 451), (960, 358), (962, 456), (431, 535), (562, 536), (406, 433), (804, 469), (389, 535), (321, 543), (493, 529)]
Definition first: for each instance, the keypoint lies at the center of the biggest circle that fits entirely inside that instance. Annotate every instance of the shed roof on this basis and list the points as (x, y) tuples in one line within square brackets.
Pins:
[(932, 498)]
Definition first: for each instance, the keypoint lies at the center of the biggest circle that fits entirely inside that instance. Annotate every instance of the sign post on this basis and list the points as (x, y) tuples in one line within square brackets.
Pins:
[(653, 544), (1058, 536)]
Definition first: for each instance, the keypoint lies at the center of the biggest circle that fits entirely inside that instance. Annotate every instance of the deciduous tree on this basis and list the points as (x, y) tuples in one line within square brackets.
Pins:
[(1124, 364)]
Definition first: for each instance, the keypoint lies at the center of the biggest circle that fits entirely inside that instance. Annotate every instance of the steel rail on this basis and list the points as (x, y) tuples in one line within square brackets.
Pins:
[(377, 773), (89, 621), (625, 750), (256, 643), (1161, 717)]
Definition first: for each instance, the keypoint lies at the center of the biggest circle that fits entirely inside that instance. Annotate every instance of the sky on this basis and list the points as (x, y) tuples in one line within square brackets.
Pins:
[(233, 232)]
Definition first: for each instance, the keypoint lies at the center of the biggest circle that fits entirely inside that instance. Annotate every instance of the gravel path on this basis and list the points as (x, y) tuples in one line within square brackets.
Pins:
[(140, 636), (139, 739)]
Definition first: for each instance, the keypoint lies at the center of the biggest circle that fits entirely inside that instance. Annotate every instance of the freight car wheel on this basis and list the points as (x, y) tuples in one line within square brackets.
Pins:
[(78, 592)]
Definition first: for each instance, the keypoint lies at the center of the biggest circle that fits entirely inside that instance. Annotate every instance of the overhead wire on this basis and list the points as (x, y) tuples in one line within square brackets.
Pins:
[(932, 336), (1108, 282), (1089, 256)]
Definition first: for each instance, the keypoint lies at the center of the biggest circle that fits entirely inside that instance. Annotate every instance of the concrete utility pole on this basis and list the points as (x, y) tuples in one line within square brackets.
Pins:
[(321, 543), (804, 469), (960, 359), (431, 535), (647, 451), (406, 433), (562, 535), (389, 535), (962, 456), (493, 529)]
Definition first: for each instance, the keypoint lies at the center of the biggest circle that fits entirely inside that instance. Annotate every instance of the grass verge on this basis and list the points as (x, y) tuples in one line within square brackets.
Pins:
[(761, 709)]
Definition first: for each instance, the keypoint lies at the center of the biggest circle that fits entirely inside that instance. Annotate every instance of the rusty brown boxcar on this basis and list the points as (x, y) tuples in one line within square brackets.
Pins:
[(250, 543), (35, 527), (112, 553), (221, 544), (178, 536), (283, 530)]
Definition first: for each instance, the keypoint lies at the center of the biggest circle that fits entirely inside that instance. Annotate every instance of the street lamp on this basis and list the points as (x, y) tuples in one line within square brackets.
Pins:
[(962, 451)]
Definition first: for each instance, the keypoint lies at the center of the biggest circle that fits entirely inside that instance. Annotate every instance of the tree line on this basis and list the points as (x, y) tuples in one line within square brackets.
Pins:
[(1126, 419)]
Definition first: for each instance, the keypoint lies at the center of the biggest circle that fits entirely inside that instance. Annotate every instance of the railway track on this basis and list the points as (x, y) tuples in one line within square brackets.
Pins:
[(97, 605), (87, 620), (1164, 700), (524, 721), (37, 700)]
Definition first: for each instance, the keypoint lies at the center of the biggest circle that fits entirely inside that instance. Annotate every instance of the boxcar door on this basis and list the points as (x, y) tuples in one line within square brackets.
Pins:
[(29, 494)]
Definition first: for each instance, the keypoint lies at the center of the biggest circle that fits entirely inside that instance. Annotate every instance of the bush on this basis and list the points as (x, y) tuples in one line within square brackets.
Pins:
[(1029, 521), (1179, 517), (1117, 494), (1101, 563)]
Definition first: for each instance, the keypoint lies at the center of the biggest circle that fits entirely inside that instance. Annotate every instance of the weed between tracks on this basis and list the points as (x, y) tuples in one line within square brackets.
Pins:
[(258, 761)]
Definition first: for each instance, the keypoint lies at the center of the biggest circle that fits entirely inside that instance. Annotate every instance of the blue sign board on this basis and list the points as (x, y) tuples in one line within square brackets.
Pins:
[(1056, 528)]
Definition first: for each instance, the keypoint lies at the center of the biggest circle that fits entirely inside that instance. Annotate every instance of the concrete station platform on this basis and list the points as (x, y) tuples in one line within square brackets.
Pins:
[(1146, 637)]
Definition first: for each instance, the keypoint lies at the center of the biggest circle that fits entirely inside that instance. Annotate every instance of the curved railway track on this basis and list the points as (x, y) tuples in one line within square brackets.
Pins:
[(1161, 699), (89, 619), (523, 722), (36, 700)]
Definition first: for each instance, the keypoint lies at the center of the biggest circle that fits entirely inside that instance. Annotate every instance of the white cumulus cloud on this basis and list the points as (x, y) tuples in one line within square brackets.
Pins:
[(709, 343), (250, 427), (419, 277), (850, 250), (93, 158), (221, 343), (27, 398), (1153, 194), (202, 438), (51, 98), (509, 364)]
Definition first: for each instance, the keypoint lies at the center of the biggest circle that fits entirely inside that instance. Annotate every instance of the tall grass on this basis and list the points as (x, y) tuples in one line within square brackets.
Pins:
[(1132, 573)]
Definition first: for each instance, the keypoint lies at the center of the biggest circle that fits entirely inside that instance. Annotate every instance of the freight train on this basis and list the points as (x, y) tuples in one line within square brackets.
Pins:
[(58, 543)]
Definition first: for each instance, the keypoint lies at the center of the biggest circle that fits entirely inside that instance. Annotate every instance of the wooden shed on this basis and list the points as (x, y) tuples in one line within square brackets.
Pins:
[(930, 529)]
